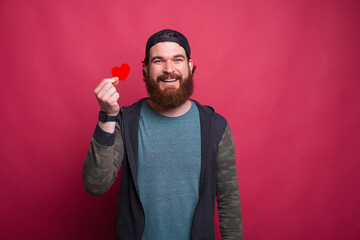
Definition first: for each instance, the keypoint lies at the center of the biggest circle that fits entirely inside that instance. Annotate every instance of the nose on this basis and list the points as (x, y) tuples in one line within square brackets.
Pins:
[(169, 67)]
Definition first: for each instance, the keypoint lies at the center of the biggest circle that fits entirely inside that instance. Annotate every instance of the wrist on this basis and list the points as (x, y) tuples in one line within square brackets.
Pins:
[(108, 127), (111, 111), (112, 114)]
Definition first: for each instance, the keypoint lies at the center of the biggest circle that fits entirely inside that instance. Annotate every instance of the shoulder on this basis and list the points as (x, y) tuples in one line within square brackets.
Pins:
[(207, 109), (220, 123), (132, 111), (133, 106)]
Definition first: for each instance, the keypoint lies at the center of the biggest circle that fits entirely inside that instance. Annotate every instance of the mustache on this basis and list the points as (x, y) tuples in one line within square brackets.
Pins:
[(165, 76)]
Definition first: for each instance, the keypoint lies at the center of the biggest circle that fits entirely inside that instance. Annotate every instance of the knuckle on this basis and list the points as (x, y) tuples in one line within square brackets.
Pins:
[(99, 95), (105, 98)]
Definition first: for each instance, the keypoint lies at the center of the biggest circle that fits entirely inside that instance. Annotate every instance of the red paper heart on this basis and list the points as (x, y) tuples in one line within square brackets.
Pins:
[(121, 72)]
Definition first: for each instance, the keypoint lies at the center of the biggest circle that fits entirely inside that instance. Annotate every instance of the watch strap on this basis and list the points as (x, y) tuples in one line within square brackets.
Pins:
[(103, 117)]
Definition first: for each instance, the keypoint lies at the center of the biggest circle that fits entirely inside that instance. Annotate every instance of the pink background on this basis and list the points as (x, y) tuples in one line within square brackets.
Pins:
[(286, 75)]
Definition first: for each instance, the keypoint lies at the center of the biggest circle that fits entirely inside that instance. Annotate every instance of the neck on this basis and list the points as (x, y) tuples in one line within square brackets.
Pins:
[(171, 112)]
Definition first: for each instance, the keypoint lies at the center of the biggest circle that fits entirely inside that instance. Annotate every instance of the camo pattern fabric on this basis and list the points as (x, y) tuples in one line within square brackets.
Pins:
[(102, 164), (227, 189)]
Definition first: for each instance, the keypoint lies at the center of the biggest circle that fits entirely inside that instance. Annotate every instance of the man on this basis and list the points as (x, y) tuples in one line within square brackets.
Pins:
[(177, 155)]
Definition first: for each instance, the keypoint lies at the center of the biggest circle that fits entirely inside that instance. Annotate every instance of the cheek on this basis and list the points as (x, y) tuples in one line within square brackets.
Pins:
[(186, 71), (154, 71)]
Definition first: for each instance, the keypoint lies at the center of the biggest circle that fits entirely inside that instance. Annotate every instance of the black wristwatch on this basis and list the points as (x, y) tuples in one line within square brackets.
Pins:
[(103, 117)]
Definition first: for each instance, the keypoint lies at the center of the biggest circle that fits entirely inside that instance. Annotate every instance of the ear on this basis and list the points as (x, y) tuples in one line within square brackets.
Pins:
[(191, 64), (145, 68)]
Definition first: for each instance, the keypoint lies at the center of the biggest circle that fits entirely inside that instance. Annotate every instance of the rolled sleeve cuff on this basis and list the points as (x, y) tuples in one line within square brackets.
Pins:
[(104, 138)]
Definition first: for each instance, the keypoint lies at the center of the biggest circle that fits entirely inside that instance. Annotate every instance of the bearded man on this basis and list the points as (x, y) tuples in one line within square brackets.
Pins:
[(177, 155)]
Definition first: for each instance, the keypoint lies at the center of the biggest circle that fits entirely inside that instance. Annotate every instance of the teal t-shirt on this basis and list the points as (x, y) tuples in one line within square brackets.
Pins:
[(169, 164)]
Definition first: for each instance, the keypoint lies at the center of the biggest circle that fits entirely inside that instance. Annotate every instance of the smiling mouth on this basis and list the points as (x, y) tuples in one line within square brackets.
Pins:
[(169, 80)]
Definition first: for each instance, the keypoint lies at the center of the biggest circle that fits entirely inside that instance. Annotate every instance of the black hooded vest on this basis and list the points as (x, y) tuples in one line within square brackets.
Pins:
[(130, 217)]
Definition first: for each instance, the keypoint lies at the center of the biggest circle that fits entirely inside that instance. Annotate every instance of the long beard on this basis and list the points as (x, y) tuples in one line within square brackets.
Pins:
[(169, 97)]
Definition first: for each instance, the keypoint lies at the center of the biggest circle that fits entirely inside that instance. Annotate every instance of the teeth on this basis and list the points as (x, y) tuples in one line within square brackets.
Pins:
[(169, 80)]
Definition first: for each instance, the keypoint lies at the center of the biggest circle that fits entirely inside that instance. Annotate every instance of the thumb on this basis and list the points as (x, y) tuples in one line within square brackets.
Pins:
[(114, 81)]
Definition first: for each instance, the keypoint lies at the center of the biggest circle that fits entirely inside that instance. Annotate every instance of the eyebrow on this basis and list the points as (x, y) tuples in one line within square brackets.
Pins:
[(159, 57), (179, 56)]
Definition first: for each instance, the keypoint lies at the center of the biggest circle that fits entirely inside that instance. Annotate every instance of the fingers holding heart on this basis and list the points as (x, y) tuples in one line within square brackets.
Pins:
[(107, 83), (106, 91)]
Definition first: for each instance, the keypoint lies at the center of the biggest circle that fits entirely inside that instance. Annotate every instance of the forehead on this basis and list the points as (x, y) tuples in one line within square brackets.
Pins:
[(166, 49)]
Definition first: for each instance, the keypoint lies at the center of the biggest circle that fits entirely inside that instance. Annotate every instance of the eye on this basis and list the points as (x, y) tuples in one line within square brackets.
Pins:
[(178, 60)]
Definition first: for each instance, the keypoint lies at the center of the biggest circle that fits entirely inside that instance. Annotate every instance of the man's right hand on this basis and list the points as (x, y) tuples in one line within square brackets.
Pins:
[(107, 96)]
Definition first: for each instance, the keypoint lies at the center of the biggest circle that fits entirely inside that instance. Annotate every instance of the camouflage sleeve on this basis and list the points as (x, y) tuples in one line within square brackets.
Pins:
[(102, 164), (227, 189)]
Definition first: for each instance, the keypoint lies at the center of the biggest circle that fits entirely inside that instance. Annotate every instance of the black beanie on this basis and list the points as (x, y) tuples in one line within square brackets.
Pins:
[(168, 35)]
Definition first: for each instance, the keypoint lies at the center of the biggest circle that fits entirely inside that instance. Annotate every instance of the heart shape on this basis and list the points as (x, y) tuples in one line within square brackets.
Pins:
[(121, 72)]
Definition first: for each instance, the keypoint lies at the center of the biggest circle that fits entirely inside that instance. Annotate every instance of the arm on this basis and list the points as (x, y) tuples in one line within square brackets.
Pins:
[(106, 150), (227, 189), (103, 161)]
